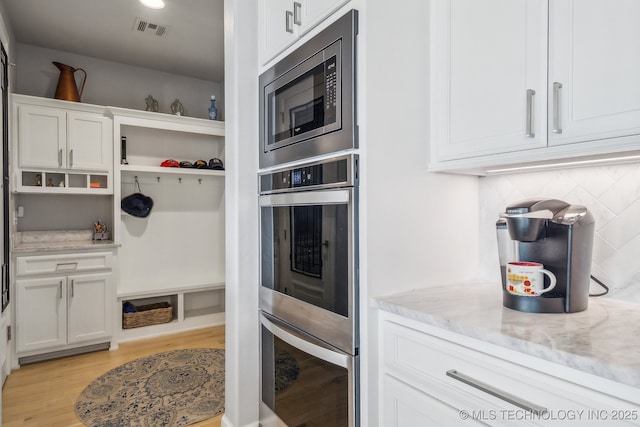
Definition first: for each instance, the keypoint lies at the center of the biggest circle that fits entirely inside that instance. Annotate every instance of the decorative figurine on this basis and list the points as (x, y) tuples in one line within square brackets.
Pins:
[(152, 104), (49, 182), (177, 108), (38, 180)]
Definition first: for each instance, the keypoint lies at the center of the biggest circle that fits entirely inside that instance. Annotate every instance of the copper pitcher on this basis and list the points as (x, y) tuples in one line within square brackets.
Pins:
[(67, 88)]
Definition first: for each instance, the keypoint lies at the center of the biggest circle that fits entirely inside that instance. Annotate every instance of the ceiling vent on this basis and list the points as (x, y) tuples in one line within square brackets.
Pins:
[(144, 26)]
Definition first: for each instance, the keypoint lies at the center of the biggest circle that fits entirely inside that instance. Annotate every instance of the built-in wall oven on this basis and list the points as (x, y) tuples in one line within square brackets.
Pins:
[(307, 100), (309, 293)]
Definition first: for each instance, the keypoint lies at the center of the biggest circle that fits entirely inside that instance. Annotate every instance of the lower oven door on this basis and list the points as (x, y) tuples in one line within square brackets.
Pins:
[(304, 381)]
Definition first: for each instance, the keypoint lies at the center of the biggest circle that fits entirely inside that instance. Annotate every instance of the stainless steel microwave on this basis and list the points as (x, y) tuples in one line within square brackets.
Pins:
[(307, 100)]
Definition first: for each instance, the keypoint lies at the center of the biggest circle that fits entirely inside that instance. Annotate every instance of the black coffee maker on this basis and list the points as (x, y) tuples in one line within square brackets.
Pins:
[(559, 236)]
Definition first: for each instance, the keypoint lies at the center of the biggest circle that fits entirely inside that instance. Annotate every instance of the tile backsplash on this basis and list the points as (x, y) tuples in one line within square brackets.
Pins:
[(611, 193)]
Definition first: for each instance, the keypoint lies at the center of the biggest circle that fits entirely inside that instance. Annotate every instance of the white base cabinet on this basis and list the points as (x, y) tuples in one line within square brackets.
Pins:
[(63, 309), (426, 379)]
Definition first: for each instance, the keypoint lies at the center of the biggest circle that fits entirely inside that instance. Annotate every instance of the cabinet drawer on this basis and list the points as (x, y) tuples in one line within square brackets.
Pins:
[(63, 264), (469, 380)]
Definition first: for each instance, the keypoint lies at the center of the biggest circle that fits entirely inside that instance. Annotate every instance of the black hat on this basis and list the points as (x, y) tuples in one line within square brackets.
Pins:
[(137, 204), (216, 164), (200, 164)]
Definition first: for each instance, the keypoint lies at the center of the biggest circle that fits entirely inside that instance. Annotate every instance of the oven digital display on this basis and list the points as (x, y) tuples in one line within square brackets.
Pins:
[(296, 177)]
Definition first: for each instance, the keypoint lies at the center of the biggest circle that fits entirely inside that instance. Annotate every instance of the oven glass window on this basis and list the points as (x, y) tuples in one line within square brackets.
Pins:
[(302, 389), (304, 104), (305, 254)]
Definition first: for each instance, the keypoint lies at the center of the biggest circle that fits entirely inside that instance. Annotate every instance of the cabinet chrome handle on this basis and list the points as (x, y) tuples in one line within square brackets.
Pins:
[(288, 23), (297, 13), (556, 107), (72, 288), (71, 158), (496, 392), (60, 157), (529, 132), (60, 288)]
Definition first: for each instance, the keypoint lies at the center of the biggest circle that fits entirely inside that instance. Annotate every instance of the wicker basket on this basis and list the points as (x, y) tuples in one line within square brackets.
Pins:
[(149, 314)]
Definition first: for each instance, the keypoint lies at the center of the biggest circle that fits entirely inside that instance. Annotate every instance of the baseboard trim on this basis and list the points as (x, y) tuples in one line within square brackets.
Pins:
[(62, 353)]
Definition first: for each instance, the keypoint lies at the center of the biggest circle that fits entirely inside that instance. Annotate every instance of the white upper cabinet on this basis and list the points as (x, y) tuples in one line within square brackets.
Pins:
[(518, 81), (282, 22), (88, 141), (42, 137), (60, 147), (488, 76), (594, 70), (277, 30), (59, 139)]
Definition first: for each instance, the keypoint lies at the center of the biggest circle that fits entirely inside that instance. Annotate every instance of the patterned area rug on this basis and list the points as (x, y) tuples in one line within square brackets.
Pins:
[(176, 388)]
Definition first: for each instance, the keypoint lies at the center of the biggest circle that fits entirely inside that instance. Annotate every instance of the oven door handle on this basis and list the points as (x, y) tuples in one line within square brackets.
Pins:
[(326, 197), (320, 351)]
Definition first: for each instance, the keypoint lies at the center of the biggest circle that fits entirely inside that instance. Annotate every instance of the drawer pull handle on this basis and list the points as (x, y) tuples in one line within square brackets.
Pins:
[(60, 288), (500, 394), (67, 266)]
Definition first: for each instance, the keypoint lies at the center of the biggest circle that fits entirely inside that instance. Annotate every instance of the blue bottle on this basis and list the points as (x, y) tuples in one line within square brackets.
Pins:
[(213, 111)]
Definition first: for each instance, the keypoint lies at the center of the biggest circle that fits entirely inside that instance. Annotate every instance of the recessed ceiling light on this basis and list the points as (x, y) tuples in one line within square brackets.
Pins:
[(153, 4)]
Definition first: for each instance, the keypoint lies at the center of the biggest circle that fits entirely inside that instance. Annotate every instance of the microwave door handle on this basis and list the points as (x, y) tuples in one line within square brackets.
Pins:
[(282, 332), (306, 198)]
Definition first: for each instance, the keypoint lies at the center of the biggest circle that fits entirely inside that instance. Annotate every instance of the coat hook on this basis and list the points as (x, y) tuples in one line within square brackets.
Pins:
[(199, 180), (158, 178), (180, 180)]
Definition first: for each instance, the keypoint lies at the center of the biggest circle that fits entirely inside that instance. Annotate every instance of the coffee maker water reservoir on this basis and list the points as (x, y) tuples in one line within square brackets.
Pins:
[(552, 233)]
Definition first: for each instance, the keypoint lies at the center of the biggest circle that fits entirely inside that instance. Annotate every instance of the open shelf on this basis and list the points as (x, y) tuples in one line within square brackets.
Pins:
[(130, 169), (194, 307), (62, 182)]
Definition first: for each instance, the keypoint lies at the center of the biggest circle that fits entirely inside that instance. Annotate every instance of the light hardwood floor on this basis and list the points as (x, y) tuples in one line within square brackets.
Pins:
[(44, 394)]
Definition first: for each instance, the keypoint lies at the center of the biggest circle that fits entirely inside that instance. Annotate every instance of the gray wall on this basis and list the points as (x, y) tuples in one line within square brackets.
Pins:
[(112, 83)]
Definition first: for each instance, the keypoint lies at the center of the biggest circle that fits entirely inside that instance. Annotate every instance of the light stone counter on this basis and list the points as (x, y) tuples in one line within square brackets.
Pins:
[(62, 240), (603, 340)]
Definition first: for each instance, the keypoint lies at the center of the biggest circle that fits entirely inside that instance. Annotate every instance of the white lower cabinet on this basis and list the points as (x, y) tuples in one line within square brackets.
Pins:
[(62, 311), (427, 380)]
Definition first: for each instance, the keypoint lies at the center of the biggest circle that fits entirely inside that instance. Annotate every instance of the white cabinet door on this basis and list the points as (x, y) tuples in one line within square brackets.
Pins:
[(488, 76), (314, 11), (405, 406), (88, 141), (89, 307), (41, 137), (276, 26), (594, 70), (282, 22), (41, 313)]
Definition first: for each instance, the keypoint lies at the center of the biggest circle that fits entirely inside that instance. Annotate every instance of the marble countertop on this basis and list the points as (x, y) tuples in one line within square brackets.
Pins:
[(58, 240), (603, 340)]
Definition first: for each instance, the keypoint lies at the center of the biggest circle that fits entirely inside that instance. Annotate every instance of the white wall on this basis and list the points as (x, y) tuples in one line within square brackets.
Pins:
[(114, 84), (611, 193), (242, 393), (419, 229)]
